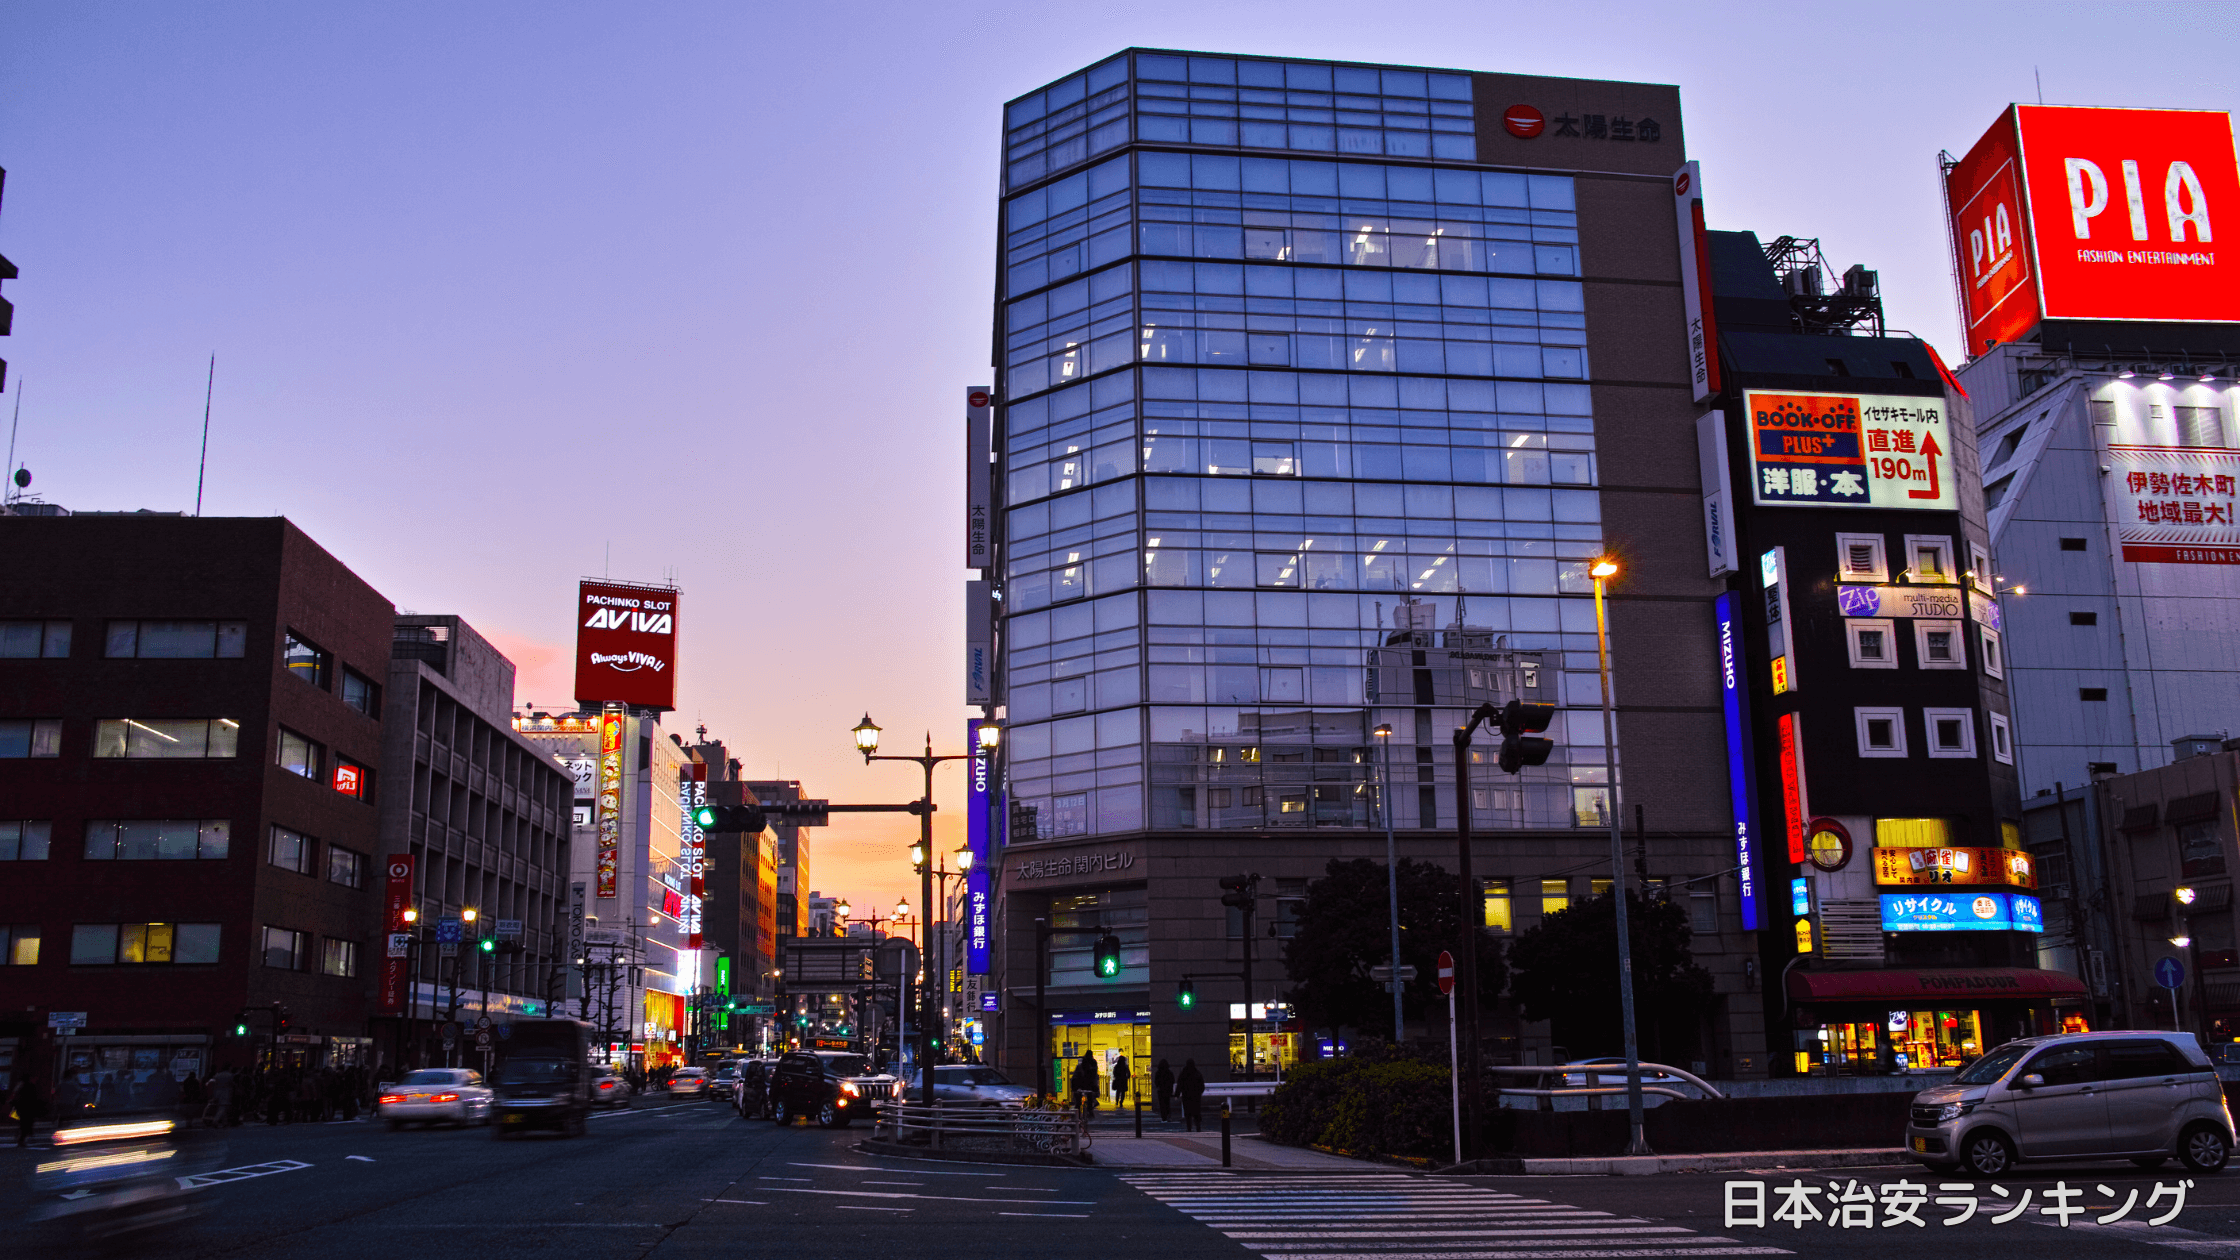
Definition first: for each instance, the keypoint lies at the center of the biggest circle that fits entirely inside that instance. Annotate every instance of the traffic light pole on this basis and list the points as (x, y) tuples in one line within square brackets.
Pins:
[(1042, 934), (1473, 919), (1637, 1143)]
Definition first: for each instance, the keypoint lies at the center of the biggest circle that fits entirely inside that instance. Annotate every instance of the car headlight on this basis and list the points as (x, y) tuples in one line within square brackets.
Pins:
[(849, 1088), (1954, 1110)]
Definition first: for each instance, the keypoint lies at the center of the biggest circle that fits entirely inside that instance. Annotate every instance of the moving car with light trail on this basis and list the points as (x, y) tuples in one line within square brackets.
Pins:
[(436, 1096)]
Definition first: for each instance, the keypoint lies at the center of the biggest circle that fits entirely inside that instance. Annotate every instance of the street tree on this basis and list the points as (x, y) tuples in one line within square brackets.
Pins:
[(1566, 972), (1345, 929)]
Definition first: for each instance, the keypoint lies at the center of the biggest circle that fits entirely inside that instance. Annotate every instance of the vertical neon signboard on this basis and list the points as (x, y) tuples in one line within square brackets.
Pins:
[(978, 795), (1792, 785), (692, 792), (1734, 698), (611, 725)]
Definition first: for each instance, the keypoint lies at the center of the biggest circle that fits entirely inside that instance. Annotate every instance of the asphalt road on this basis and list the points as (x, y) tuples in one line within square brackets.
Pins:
[(692, 1180)]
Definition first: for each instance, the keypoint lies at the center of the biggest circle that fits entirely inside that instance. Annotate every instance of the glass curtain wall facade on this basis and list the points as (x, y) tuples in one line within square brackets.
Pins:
[(1257, 395)]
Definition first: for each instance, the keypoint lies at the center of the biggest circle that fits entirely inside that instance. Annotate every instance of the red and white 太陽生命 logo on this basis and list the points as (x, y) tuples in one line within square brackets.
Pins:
[(1523, 121)]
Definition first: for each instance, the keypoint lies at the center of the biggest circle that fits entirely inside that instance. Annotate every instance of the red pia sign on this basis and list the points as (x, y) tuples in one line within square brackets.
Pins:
[(1446, 972)]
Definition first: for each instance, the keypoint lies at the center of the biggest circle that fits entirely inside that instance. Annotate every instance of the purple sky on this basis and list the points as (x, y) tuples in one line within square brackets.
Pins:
[(494, 287)]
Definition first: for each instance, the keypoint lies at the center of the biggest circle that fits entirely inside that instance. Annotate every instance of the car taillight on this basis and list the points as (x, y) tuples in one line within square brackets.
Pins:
[(446, 1098), (386, 1099)]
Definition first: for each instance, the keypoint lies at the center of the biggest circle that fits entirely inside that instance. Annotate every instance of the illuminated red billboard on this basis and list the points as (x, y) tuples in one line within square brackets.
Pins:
[(2062, 212), (626, 645)]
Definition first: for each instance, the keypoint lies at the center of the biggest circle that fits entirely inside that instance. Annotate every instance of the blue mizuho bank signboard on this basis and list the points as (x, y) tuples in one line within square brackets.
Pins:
[(979, 791), (1742, 797)]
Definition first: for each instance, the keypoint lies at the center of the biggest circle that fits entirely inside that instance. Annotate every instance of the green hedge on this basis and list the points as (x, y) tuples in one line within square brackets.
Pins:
[(1363, 1106)]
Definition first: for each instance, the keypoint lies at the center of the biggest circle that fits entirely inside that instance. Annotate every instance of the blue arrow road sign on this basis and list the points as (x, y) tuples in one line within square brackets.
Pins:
[(447, 931), (2169, 973)]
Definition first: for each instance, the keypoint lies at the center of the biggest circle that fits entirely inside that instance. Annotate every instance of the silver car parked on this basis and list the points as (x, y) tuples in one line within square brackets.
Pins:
[(2138, 1096)]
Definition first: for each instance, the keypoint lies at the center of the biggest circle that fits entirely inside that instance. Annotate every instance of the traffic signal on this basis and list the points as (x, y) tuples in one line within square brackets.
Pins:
[(489, 944), (747, 818), (1108, 956), (1238, 891), (1520, 748), (241, 1030), (1186, 993)]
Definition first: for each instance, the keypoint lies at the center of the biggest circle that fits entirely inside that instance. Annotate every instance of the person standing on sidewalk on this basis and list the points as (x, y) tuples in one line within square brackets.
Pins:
[(1162, 1089), (1085, 1083), (1192, 1085), (1120, 1078), (28, 1103)]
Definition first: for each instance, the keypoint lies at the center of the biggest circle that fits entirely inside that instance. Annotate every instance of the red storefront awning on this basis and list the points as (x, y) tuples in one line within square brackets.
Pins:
[(1932, 984)]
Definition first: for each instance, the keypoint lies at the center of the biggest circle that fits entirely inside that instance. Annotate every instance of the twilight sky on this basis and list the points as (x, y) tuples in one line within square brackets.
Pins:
[(496, 288)]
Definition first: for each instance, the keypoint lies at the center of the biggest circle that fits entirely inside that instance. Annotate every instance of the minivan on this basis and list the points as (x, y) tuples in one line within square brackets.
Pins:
[(2144, 1097)]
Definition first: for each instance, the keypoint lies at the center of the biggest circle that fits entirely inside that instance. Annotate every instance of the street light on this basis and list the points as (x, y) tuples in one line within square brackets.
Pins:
[(467, 914), (1391, 873), (866, 735), (964, 858), (1604, 568), (990, 733)]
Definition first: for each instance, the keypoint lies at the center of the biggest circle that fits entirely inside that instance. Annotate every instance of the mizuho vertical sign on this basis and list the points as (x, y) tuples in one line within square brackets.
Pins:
[(979, 791)]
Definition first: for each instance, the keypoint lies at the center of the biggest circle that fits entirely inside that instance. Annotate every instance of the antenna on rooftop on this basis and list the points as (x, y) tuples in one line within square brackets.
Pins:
[(14, 490), (209, 387)]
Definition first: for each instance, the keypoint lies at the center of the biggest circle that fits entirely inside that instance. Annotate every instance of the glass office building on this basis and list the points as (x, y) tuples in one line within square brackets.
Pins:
[(1291, 356)]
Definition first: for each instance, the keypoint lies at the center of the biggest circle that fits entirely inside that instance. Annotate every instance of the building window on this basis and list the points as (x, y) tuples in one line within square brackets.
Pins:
[(2092, 694), (346, 867), (1928, 558), (25, 841), (176, 640), (2084, 619), (1996, 493), (19, 945), (1979, 567), (1882, 732), (286, 950), (158, 840), (2072, 544), (1861, 558), (158, 738), (1069, 815), (292, 850), (112, 944), (1703, 913), (1994, 651), (26, 640), (299, 755), (307, 660), (2002, 740), (352, 779), (361, 693), (339, 958), (1938, 645), (1872, 642), (1913, 833), (30, 737), (1555, 894), (2200, 850), (1291, 902), (1952, 732), (1497, 906)]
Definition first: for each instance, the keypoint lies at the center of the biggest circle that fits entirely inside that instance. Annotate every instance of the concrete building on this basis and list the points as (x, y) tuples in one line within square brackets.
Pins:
[(484, 814), (639, 971), (191, 757), (1264, 378), (792, 849), (2121, 620)]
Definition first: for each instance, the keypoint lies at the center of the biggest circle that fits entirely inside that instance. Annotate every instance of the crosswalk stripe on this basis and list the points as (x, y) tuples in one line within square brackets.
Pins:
[(1392, 1216)]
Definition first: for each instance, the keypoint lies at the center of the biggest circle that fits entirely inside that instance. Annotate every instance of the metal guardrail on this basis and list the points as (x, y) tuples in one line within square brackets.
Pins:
[(1241, 1089), (1022, 1130), (1598, 1073)]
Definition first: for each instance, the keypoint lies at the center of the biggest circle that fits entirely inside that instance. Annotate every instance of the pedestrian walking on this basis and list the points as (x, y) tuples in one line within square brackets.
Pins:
[(27, 1102), (1085, 1083), (1162, 1089), (221, 1094), (1120, 1081), (1192, 1086)]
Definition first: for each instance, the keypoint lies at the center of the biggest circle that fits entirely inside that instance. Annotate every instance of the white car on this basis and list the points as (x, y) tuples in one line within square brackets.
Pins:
[(456, 1095), (688, 1082)]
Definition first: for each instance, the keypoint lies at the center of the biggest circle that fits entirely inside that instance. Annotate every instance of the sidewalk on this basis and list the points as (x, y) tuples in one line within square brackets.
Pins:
[(1651, 1165)]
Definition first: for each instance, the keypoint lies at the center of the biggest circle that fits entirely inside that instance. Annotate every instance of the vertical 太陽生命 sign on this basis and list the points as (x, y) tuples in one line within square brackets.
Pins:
[(979, 797), (626, 645), (609, 805), (1742, 797), (979, 526), (1695, 281)]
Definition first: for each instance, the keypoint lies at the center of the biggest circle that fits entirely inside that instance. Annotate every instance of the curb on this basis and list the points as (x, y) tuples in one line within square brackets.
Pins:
[(1651, 1165)]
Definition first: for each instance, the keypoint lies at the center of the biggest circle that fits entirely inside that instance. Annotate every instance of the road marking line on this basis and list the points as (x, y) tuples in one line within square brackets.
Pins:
[(851, 1207), (226, 1176), (769, 1178), (755, 1202), (1055, 1216), (915, 1172), (363, 1159), (942, 1198), (900, 1183)]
